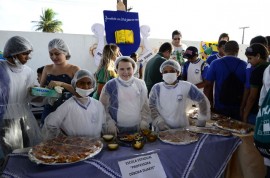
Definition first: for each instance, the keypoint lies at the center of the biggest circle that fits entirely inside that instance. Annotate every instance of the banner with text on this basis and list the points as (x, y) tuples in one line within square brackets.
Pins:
[(123, 29)]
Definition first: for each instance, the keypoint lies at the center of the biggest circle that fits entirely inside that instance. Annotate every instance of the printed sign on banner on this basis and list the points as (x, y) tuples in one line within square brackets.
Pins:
[(143, 166)]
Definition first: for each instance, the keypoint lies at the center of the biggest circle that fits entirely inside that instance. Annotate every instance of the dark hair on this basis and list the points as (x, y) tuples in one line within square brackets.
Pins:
[(223, 35), (125, 60), (231, 48), (40, 70), (221, 43), (268, 40), (133, 55), (176, 32), (257, 48), (165, 47), (259, 39)]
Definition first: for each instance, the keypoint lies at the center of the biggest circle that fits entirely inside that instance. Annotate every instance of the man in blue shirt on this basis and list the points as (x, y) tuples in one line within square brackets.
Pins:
[(218, 55), (217, 73)]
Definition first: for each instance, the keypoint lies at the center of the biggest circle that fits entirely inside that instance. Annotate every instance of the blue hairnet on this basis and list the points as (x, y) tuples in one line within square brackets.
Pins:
[(82, 74), (60, 45), (127, 58), (174, 64), (16, 45)]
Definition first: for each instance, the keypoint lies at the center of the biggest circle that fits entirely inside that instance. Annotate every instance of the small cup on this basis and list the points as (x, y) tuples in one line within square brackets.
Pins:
[(108, 137), (137, 144), (146, 132), (113, 146), (152, 137), (201, 123)]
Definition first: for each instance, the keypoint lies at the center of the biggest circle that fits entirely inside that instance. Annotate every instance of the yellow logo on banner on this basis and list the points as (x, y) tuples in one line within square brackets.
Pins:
[(207, 47), (124, 36)]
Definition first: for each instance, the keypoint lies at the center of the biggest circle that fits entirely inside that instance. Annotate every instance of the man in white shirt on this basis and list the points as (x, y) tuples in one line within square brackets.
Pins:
[(178, 47)]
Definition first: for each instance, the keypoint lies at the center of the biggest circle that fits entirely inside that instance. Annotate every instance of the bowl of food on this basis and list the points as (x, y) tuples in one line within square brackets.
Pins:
[(113, 146), (152, 137), (107, 137), (138, 144)]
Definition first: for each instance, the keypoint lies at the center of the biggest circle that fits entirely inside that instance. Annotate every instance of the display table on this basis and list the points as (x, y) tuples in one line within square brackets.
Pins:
[(246, 161), (206, 158)]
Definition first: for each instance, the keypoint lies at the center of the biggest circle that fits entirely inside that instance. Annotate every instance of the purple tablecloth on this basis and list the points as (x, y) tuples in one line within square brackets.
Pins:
[(203, 159)]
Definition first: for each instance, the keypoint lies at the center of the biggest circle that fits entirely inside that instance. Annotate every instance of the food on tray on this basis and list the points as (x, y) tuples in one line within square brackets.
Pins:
[(113, 146), (209, 130), (65, 150), (107, 138), (234, 126), (130, 137), (178, 136)]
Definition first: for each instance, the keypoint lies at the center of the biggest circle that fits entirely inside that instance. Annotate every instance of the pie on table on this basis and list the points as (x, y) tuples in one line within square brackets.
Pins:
[(178, 136), (65, 150), (209, 130), (234, 126)]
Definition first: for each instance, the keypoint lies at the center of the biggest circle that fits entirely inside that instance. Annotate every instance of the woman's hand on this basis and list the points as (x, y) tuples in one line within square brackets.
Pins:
[(53, 84)]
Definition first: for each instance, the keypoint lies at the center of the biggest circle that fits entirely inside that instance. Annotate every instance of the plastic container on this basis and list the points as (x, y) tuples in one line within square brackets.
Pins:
[(38, 91)]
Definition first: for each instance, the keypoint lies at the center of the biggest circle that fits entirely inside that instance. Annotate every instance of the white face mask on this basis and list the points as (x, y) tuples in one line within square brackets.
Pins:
[(18, 63), (84, 93), (169, 78)]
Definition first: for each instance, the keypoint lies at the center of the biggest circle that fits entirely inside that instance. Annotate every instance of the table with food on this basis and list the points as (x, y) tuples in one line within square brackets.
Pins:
[(210, 151)]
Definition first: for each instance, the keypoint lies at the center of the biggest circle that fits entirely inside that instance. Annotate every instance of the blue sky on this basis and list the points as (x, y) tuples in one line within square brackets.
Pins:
[(197, 20)]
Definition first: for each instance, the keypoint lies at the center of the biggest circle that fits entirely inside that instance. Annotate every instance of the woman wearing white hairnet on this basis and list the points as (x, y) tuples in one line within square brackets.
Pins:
[(125, 99), (18, 126), (60, 73), (169, 100), (80, 115)]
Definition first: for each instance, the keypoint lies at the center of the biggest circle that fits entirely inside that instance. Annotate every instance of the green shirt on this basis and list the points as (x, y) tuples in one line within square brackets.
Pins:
[(152, 74)]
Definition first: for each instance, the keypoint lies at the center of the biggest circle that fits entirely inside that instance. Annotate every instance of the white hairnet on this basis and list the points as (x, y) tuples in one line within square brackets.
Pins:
[(60, 45), (16, 45), (126, 58), (171, 63), (82, 74)]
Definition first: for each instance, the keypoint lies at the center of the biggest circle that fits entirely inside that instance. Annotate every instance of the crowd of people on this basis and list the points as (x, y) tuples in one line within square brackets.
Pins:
[(121, 97)]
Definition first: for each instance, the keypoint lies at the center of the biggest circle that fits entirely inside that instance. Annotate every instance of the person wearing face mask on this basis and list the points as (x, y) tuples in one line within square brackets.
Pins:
[(125, 100), (151, 72), (169, 100), (80, 115), (18, 126)]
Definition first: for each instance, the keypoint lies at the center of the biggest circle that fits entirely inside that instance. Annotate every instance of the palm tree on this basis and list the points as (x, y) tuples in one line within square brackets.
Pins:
[(48, 23)]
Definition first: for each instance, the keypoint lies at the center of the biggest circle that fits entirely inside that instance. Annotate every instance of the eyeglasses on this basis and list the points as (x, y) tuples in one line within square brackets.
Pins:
[(176, 39)]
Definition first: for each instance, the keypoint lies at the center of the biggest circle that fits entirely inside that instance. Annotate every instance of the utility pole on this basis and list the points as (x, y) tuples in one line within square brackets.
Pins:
[(243, 33), (124, 2)]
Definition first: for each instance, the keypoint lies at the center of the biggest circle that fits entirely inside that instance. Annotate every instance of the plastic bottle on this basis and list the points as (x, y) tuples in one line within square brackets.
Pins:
[(204, 46)]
